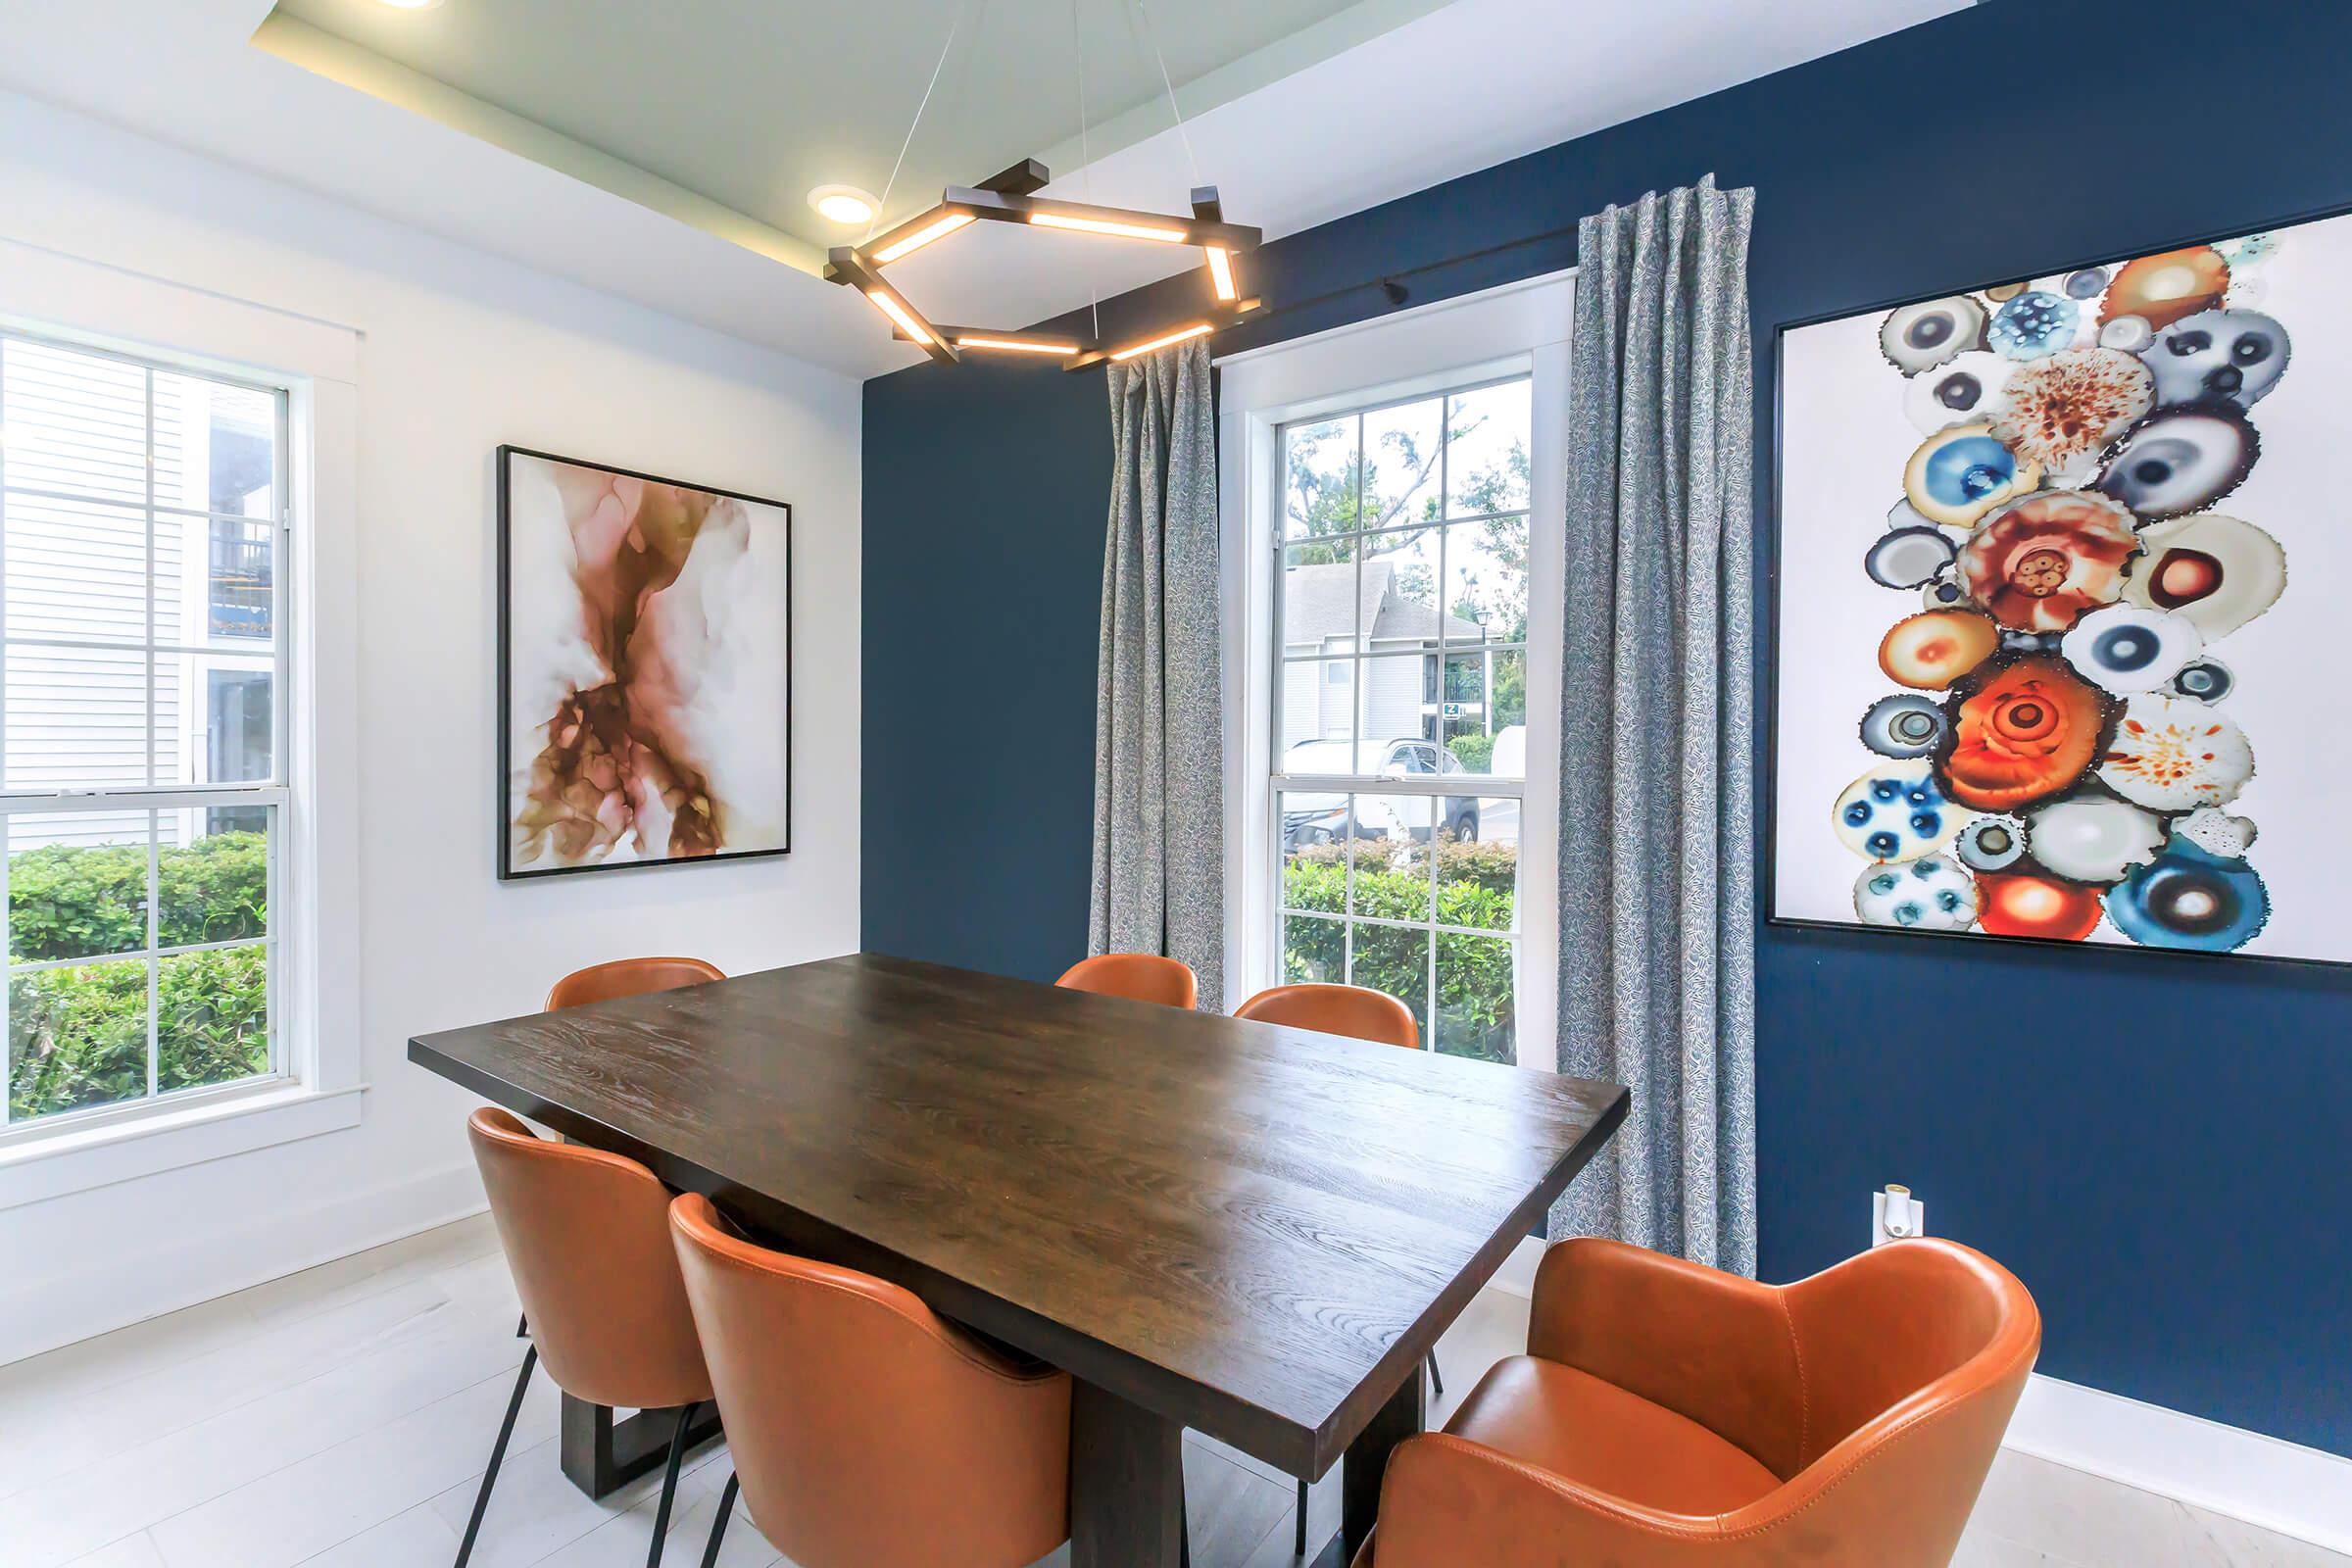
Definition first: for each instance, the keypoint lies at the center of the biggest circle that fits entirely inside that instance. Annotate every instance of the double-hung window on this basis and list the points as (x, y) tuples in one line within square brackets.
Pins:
[(1400, 704), (143, 774)]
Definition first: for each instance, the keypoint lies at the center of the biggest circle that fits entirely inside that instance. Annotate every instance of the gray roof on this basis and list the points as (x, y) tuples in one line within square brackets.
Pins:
[(1317, 606)]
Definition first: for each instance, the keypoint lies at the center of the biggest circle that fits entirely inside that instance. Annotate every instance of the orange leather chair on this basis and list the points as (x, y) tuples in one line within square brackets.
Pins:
[(866, 1431), (1362, 1014), (629, 977), (1671, 1417), (585, 1234), (1358, 1011), (1137, 976)]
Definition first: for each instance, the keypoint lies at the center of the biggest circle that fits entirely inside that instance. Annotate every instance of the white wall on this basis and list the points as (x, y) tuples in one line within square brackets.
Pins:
[(458, 352)]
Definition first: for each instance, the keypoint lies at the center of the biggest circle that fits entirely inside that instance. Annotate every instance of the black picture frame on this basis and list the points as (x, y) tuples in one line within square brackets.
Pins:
[(1774, 543), (502, 816)]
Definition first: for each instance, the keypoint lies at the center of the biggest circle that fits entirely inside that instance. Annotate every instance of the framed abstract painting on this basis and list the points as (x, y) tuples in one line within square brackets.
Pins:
[(645, 670), (2062, 568)]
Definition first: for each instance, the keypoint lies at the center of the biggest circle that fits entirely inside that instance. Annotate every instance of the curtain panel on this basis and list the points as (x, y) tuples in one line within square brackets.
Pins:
[(1657, 830), (1159, 809)]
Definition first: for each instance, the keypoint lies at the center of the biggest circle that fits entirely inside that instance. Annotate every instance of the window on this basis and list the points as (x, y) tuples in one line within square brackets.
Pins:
[(1400, 710), (142, 697)]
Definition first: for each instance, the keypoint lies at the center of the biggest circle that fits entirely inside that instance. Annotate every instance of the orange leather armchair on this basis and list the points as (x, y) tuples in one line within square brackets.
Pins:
[(629, 977), (585, 1234), (866, 1431), (1358, 1011), (1672, 1416), (1137, 976)]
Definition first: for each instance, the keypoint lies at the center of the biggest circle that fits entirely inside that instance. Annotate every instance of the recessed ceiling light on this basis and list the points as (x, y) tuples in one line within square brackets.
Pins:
[(414, 5), (843, 204)]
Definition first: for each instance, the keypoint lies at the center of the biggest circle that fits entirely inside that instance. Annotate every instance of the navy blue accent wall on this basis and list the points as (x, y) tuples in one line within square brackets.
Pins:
[(2157, 1146)]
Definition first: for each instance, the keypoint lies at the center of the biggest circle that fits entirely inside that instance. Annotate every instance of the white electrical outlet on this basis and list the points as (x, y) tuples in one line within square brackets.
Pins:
[(1896, 1215)]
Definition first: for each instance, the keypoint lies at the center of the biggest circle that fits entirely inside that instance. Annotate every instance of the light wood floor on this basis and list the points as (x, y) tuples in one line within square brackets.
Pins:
[(339, 1418)]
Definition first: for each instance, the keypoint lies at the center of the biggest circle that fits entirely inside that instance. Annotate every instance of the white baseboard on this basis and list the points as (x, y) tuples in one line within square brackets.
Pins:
[(2280, 1486), (122, 1290), (1517, 1276)]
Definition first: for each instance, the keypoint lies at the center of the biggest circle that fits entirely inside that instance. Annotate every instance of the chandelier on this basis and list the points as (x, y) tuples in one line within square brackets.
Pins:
[(1010, 197)]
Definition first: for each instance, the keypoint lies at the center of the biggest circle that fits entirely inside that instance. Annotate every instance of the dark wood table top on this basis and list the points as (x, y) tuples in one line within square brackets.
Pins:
[(1252, 1229)]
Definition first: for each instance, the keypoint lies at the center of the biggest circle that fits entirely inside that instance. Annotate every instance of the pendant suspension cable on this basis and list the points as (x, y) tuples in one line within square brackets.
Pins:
[(958, 94), (955, 21), (1152, 36), (1086, 158)]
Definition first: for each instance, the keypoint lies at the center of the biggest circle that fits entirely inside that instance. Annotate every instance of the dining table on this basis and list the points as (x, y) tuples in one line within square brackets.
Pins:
[(1253, 1231)]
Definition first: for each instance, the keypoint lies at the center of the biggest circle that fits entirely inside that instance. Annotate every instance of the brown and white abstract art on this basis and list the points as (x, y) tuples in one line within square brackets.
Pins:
[(644, 639)]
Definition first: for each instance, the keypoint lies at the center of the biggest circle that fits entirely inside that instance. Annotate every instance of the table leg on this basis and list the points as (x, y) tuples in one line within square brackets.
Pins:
[(1405, 1415), (1126, 1484), (601, 1455)]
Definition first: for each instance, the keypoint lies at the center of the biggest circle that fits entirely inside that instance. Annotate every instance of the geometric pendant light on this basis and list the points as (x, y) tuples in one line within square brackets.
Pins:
[(1009, 198)]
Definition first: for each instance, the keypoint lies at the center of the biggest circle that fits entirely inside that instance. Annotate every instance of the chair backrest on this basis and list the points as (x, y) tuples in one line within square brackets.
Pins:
[(1138, 976), (587, 1239), (1911, 1324), (1357, 1010), (629, 977), (864, 1428), (1911, 1359)]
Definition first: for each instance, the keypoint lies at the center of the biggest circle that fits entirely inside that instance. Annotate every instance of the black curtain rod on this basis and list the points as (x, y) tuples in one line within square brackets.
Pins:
[(1391, 284)]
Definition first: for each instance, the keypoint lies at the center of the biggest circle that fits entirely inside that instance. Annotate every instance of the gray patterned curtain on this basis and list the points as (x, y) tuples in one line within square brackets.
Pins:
[(1657, 833), (1160, 795)]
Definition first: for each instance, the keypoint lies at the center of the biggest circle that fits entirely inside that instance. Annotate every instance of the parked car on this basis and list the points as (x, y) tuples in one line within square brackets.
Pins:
[(1319, 817)]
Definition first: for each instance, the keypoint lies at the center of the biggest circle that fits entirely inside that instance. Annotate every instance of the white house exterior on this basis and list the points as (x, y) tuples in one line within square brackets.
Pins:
[(1380, 697), (87, 653)]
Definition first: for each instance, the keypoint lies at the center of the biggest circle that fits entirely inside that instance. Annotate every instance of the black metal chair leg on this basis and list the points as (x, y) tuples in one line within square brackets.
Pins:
[(1299, 1536), (498, 1453), (718, 1526), (669, 1485), (1437, 1384)]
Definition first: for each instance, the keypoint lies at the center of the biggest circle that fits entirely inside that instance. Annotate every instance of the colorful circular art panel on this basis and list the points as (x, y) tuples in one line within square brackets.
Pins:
[(2055, 733)]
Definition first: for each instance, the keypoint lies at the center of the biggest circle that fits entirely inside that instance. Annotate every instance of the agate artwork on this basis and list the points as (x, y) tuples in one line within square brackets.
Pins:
[(645, 682), (2060, 584)]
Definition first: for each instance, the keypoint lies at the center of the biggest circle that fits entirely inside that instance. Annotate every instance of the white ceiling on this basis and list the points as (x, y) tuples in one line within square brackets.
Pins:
[(1455, 89)]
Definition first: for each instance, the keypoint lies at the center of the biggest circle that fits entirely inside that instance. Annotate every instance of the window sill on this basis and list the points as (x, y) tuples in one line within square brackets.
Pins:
[(147, 1146)]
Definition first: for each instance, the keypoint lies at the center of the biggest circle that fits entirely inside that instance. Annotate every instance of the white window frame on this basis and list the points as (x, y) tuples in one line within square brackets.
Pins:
[(1518, 329), (318, 1082), (151, 797)]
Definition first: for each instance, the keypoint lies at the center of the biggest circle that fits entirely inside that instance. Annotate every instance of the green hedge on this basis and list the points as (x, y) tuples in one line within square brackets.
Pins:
[(1477, 884), (77, 1033), (1475, 751)]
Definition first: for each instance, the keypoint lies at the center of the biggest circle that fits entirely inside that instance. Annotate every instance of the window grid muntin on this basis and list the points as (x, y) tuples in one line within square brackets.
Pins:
[(1352, 784), (154, 797)]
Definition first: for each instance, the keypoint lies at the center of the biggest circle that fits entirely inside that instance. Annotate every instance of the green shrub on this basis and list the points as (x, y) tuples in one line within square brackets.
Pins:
[(73, 900), (77, 1033), (1476, 752), (1477, 885), (76, 1036)]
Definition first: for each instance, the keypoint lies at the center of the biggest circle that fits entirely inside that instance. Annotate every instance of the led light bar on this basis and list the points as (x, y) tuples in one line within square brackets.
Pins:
[(1220, 272), (1102, 226), (938, 229), (1197, 330), (905, 317), (846, 265), (1010, 344), (1165, 228)]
